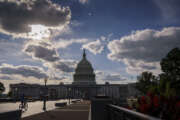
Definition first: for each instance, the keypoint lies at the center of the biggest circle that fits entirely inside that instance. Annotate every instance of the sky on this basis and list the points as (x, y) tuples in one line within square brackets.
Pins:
[(122, 38)]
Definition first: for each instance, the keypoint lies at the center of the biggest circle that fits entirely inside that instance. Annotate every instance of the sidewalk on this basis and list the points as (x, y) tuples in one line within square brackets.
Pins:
[(77, 111)]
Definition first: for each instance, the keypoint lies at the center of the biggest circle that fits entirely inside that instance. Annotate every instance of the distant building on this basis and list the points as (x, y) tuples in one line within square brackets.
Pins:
[(83, 86)]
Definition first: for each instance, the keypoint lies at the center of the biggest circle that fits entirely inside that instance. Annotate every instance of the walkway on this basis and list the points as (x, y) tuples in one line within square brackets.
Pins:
[(77, 111)]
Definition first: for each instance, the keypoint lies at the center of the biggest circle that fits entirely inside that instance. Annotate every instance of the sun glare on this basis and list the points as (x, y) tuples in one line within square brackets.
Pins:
[(39, 32)]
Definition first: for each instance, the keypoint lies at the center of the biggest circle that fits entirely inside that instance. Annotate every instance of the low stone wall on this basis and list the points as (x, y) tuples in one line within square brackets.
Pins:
[(11, 115)]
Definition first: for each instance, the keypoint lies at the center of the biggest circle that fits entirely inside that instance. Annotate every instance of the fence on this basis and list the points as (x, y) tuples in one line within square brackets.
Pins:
[(119, 113)]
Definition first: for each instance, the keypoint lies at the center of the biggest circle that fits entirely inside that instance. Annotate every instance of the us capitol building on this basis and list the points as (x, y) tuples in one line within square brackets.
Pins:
[(84, 73), (83, 86)]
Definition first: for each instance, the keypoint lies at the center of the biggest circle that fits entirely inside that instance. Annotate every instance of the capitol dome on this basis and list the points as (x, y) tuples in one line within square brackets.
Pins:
[(84, 73)]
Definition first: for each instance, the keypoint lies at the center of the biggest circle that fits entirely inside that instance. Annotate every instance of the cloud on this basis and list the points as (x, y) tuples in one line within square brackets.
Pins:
[(95, 47), (23, 70), (59, 33), (41, 51), (111, 77), (98, 46), (99, 72), (138, 66), (169, 8), (143, 49), (62, 43), (10, 50), (114, 77), (5, 77), (47, 53), (62, 65), (76, 23), (83, 1), (17, 16), (59, 78)]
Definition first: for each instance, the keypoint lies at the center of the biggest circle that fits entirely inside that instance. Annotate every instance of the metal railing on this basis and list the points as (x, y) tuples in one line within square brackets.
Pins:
[(119, 113)]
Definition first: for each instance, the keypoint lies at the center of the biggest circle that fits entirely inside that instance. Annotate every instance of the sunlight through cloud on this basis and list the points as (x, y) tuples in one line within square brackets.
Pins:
[(39, 32)]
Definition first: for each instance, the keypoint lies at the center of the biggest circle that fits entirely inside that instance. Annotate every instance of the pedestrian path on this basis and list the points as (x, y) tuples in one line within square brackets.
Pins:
[(76, 111)]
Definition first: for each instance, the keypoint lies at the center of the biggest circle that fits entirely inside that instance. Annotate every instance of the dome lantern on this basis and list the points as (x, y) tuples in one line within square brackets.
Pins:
[(84, 54)]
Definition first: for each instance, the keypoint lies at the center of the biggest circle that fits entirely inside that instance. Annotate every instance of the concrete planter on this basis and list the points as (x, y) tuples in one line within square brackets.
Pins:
[(61, 104), (11, 115)]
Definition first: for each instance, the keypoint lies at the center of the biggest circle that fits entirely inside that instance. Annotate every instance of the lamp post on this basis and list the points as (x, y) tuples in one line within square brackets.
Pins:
[(45, 94), (16, 93), (69, 91)]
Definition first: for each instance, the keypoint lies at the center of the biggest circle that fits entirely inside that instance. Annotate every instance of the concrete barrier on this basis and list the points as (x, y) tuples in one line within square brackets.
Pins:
[(98, 106), (2, 100), (11, 115), (61, 104)]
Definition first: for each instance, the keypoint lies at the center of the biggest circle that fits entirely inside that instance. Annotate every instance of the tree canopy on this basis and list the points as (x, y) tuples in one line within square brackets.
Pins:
[(168, 82), (170, 65), (2, 88), (145, 81)]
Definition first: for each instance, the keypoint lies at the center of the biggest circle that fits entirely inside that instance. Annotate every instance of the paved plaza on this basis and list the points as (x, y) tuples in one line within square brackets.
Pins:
[(77, 111)]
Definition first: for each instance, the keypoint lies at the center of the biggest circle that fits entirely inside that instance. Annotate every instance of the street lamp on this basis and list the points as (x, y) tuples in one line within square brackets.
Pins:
[(69, 91), (45, 94), (45, 81)]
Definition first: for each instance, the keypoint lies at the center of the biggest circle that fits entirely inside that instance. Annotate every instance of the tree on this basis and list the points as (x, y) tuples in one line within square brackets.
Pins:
[(10, 93), (2, 88), (145, 81), (170, 66)]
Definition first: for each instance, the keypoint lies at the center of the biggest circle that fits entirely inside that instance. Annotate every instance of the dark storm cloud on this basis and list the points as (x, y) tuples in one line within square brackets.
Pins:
[(42, 51), (17, 15), (23, 70)]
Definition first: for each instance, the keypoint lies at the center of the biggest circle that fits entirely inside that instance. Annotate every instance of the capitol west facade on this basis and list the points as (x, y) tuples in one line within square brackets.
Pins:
[(83, 86)]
